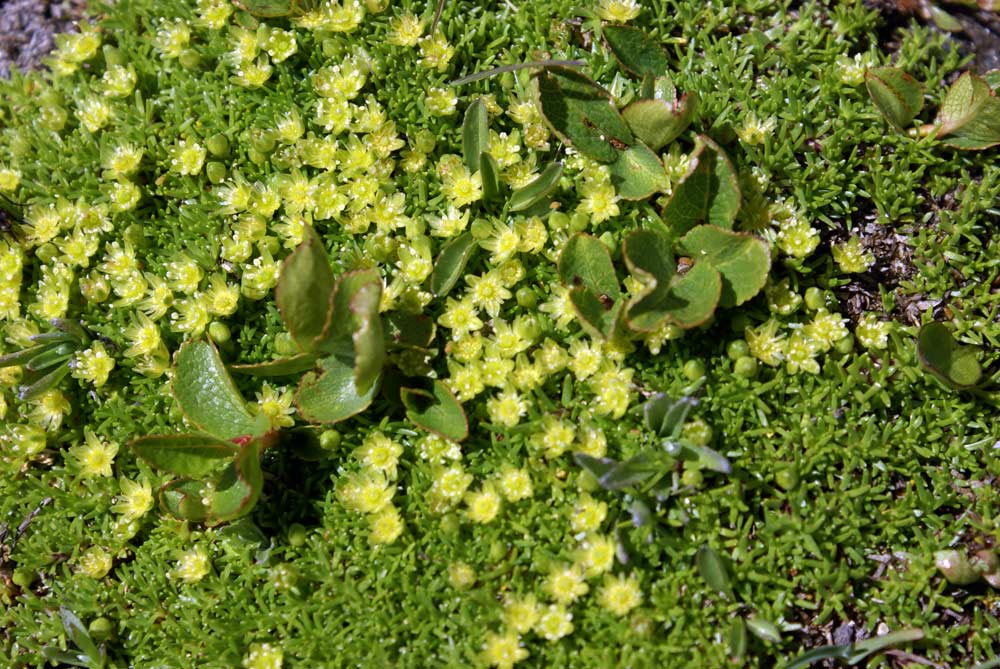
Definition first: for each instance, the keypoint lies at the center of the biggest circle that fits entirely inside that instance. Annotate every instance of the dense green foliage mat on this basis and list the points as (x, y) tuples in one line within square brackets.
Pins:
[(344, 334)]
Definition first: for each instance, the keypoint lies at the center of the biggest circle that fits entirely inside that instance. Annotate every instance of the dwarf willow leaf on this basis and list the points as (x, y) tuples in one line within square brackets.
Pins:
[(649, 256), (708, 193), (303, 292), (764, 630), (814, 655), (742, 260), (295, 364), (581, 113), (585, 267), (537, 190), (208, 397), (941, 355), (331, 395), (239, 486), (450, 263), (184, 499), (436, 411), (658, 122), (737, 638), (475, 134), (898, 96), (636, 51), (969, 117), (191, 455), (871, 645), (38, 386), (637, 173), (694, 295), (632, 472), (489, 173)]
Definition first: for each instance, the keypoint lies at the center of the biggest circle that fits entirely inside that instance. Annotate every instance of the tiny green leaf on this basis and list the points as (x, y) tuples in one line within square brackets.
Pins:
[(53, 355), (764, 630), (737, 638), (969, 117), (208, 396), (537, 190), (708, 193), (581, 113), (303, 291), (412, 329), (342, 323), (713, 569), (741, 259), (369, 342), (637, 173), (78, 634), (331, 395), (489, 172), (475, 134), (636, 51), (22, 356), (694, 295), (436, 411), (649, 256), (450, 263), (954, 364), (993, 79), (659, 122), (238, 488), (707, 457), (191, 455), (898, 96)]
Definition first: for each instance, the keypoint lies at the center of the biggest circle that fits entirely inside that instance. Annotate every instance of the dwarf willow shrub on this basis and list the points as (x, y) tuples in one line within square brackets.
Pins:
[(199, 184)]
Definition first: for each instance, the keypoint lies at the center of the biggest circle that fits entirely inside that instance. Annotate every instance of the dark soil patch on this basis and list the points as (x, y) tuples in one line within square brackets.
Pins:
[(27, 29)]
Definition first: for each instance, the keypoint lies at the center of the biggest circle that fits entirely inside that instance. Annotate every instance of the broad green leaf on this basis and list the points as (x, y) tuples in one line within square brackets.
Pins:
[(954, 364), (267, 8), (369, 342), (537, 190), (898, 96), (665, 416), (238, 488), (742, 259), (707, 457), (58, 656), (598, 467), (694, 295), (78, 634), (649, 256), (810, 657), (993, 79), (331, 395), (585, 267), (713, 569), (450, 263), (208, 396), (411, 329), (338, 336), (295, 364), (637, 173), (866, 647), (489, 173), (192, 455), (659, 122), (35, 387), (943, 19), (636, 51), (632, 472), (436, 411), (71, 328), (303, 291), (21, 357), (708, 193), (184, 499), (581, 113), (737, 638), (969, 117), (475, 134), (585, 261), (764, 630), (51, 356)]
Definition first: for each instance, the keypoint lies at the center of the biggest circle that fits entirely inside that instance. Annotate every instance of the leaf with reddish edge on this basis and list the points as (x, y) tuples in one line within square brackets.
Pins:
[(303, 291), (191, 455), (436, 411)]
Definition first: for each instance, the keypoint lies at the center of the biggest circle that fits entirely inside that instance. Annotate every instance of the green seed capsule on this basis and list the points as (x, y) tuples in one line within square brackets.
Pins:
[(218, 145), (329, 440), (526, 297), (694, 370), (738, 348), (787, 477), (745, 367), (815, 298), (23, 578), (100, 629), (845, 345), (215, 171), (219, 332), (692, 478), (284, 344), (297, 535)]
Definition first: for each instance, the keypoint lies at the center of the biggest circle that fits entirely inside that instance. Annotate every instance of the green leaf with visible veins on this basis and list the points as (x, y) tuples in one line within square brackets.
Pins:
[(303, 291), (208, 396), (742, 259), (436, 411), (184, 454), (708, 193)]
